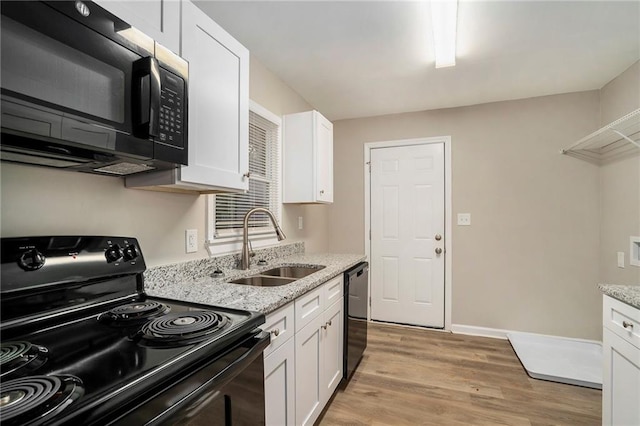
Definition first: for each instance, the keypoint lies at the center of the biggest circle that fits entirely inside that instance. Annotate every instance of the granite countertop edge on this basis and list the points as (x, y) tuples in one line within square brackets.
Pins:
[(629, 294), (220, 292)]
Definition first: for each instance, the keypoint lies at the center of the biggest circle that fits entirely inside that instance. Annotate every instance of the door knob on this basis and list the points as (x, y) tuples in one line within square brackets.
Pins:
[(438, 250), (438, 237)]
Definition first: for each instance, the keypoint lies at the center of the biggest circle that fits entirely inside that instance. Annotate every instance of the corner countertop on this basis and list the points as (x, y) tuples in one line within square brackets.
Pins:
[(629, 294), (219, 292)]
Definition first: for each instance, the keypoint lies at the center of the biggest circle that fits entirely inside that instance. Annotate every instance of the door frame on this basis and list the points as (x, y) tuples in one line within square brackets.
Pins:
[(448, 212)]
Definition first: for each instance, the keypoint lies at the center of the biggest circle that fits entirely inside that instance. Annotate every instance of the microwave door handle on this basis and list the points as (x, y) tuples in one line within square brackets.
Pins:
[(146, 97)]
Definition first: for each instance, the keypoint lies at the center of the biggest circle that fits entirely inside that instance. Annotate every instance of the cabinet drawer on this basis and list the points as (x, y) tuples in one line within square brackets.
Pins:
[(622, 319), (333, 290), (308, 307), (280, 324)]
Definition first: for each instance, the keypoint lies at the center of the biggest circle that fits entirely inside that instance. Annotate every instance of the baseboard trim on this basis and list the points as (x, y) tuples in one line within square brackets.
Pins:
[(498, 333), (472, 330)]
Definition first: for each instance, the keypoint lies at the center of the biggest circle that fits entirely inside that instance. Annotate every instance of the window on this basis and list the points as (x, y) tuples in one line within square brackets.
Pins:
[(226, 211)]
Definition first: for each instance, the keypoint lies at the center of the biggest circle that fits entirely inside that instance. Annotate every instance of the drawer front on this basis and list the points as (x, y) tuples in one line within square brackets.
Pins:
[(308, 306), (333, 290), (280, 324), (622, 319)]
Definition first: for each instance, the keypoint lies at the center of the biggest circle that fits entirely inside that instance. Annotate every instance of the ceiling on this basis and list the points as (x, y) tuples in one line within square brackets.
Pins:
[(363, 58)]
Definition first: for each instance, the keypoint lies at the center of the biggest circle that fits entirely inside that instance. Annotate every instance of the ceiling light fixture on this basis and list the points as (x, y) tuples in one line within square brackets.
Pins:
[(444, 17)]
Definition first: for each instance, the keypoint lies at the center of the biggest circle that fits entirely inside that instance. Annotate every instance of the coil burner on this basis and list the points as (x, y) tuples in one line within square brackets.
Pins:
[(20, 357), (183, 327), (37, 398), (133, 313)]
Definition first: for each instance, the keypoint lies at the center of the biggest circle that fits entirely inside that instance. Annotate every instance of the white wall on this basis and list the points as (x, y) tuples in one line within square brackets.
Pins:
[(619, 185), (530, 259)]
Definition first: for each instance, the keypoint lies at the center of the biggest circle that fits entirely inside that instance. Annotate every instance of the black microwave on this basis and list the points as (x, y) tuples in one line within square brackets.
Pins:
[(83, 90)]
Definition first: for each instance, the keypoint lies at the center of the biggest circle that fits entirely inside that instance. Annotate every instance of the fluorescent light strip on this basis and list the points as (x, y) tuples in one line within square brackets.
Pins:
[(444, 17)]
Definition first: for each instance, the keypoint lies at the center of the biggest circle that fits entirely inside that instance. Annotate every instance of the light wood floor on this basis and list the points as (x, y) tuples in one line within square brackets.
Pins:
[(412, 376)]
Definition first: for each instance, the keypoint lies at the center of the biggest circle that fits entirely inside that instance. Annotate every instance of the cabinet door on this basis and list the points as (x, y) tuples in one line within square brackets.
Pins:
[(218, 103), (621, 381), (324, 159), (332, 346), (309, 387), (279, 385), (159, 19)]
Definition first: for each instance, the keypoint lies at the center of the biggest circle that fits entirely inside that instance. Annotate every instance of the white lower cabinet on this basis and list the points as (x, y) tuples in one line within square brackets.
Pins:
[(309, 372), (303, 370), (333, 343), (621, 373), (279, 385)]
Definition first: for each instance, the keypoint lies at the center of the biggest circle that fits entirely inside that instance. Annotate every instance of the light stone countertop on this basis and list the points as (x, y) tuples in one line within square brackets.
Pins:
[(629, 294), (219, 292)]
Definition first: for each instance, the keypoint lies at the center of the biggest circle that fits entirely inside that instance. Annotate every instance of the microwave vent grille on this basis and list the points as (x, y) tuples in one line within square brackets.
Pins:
[(124, 169)]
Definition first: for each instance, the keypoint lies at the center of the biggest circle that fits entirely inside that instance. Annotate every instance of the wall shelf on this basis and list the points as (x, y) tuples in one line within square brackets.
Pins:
[(620, 139)]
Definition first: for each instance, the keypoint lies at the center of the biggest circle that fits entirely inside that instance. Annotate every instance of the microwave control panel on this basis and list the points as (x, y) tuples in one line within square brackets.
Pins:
[(171, 120)]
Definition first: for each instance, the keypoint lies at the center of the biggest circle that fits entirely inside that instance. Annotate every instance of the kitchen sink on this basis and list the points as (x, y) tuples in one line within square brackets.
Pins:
[(278, 276), (263, 281), (292, 271)]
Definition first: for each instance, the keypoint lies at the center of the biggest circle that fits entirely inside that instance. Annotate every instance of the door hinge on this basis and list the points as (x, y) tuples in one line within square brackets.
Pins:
[(369, 164), (369, 234), (369, 302)]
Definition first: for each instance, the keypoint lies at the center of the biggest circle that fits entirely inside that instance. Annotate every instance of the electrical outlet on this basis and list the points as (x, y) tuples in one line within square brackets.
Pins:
[(620, 259), (464, 219), (191, 240), (300, 223)]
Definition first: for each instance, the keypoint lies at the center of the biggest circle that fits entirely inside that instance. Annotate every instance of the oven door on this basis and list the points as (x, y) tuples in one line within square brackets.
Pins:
[(71, 77), (227, 391)]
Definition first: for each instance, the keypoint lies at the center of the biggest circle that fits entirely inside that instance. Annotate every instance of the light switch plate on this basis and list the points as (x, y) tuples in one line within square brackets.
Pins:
[(464, 219), (620, 259), (191, 240), (300, 222)]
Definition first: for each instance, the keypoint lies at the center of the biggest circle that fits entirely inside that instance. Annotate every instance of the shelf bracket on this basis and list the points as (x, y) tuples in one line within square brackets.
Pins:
[(626, 137)]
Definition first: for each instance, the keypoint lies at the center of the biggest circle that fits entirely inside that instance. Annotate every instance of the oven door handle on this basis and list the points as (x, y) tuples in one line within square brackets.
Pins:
[(146, 95)]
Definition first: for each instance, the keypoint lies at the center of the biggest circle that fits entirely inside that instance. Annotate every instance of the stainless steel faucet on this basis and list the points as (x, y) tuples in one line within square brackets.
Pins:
[(244, 261)]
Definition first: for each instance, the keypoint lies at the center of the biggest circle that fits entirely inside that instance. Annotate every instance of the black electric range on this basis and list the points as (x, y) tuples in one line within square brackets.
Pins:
[(83, 344)]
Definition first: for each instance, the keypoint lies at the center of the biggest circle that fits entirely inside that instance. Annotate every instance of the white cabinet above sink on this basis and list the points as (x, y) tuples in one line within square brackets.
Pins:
[(307, 158)]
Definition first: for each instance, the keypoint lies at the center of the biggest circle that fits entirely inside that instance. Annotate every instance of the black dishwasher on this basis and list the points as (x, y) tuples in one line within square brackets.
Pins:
[(356, 300)]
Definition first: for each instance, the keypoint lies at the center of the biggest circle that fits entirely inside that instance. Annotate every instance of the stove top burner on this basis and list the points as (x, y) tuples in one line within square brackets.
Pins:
[(24, 356), (183, 327), (37, 398), (134, 313)]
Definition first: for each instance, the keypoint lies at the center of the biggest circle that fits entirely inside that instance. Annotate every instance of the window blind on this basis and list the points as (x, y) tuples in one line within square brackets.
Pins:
[(264, 176)]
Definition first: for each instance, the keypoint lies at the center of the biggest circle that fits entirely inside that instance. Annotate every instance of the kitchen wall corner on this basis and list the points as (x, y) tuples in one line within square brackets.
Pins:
[(619, 184)]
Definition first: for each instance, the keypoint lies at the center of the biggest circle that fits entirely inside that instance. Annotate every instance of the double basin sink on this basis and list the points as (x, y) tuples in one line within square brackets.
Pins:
[(278, 276)]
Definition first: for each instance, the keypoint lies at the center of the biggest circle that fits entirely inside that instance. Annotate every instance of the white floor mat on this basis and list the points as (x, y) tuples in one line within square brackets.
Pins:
[(571, 361)]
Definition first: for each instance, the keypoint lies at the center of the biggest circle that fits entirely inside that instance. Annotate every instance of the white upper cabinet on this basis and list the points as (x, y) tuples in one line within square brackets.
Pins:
[(307, 158), (218, 112), (218, 103), (159, 19)]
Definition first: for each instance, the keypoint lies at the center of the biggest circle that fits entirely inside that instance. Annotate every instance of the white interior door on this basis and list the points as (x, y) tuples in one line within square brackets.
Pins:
[(407, 232)]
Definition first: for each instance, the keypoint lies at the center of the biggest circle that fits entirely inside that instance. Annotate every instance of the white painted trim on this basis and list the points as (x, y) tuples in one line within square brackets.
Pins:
[(448, 213), (498, 333), (265, 113), (472, 330)]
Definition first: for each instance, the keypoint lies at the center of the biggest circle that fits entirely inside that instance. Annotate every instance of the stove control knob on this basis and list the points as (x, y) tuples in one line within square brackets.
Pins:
[(31, 260), (113, 253), (130, 252)]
